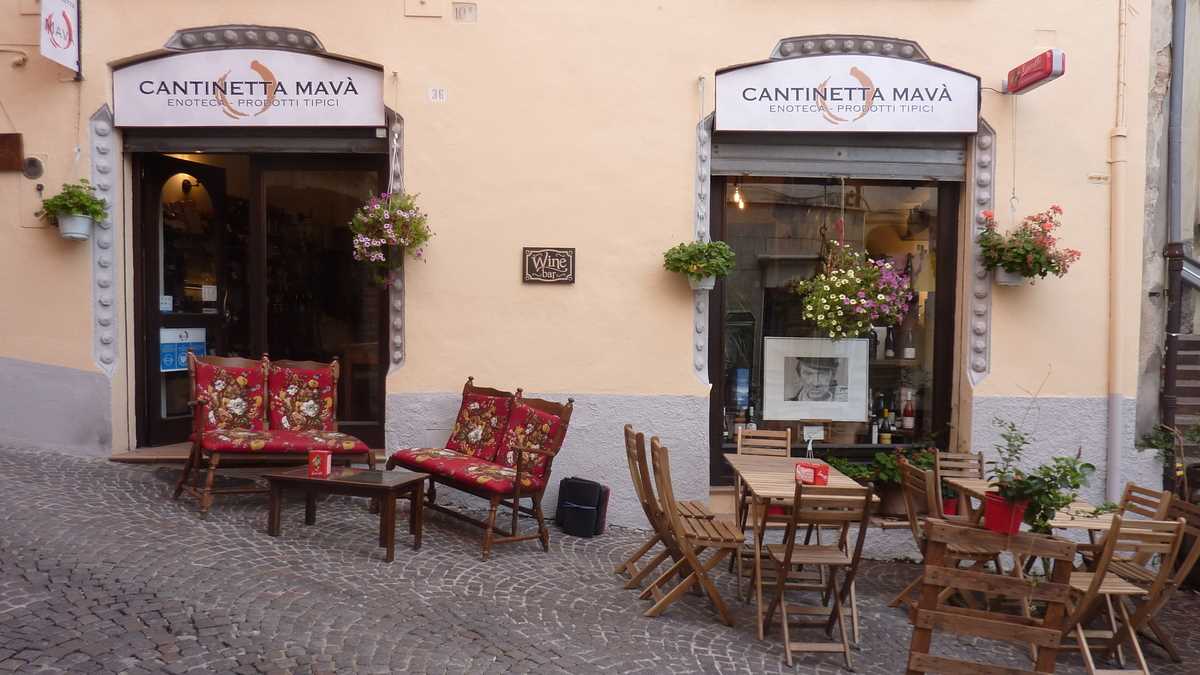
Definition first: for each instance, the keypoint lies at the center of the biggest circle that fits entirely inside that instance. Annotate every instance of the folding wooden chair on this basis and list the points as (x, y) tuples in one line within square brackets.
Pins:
[(836, 507), (920, 488), (956, 465), (1088, 589), (692, 536), (1136, 501), (942, 574), (763, 442), (639, 472), (1144, 616)]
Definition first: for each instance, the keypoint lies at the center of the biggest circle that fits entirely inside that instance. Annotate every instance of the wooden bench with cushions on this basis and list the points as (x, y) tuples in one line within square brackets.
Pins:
[(262, 410), (500, 449)]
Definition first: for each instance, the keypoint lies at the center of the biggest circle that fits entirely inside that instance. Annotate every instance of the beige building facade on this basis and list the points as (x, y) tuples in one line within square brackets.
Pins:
[(598, 126)]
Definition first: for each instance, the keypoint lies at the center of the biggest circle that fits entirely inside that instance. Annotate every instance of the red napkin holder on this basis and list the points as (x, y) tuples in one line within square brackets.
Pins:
[(320, 463), (812, 473)]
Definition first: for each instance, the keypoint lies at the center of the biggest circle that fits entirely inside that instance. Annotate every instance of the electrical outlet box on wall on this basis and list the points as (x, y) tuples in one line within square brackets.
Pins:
[(432, 8)]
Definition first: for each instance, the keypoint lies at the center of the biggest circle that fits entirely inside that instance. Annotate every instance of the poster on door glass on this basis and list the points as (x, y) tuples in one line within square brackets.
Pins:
[(814, 379), (173, 346)]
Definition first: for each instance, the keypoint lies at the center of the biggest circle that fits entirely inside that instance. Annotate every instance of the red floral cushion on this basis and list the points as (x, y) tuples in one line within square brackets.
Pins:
[(302, 400), (532, 429), (234, 396), (480, 425), (279, 441), (470, 472)]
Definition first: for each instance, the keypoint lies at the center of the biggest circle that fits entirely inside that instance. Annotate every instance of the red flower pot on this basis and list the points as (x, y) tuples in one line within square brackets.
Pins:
[(1001, 515), (950, 507)]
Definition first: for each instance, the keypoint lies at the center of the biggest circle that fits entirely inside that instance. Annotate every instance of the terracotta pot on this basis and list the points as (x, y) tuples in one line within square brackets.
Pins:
[(891, 501), (1001, 515)]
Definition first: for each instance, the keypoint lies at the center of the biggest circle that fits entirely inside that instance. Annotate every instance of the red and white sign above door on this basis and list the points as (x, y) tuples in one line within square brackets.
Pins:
[(60, 32), (1047, 66)]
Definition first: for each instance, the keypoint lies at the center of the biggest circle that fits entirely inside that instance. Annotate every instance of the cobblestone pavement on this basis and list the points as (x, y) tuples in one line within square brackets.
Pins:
[(101, 572)]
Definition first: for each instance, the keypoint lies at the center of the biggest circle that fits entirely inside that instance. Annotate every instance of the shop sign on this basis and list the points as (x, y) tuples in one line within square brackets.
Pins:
[(847, 93), (1047, 66), (548, 265), (173, 346), (247, 87), (60, 32)]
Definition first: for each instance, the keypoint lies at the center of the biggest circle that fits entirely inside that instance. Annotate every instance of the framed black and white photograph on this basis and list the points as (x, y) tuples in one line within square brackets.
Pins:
[(815, 378)]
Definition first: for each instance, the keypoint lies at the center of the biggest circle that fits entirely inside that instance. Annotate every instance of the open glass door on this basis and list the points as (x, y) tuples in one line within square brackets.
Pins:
[(185, 277)]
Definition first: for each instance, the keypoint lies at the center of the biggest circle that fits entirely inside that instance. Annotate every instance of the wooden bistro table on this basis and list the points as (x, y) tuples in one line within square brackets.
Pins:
[(773, 479), (386, 486)]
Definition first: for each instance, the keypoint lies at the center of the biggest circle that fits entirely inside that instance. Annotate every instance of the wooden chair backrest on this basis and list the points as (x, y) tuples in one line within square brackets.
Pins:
[(1190, 514), (919, 488), (1144, 502), (1143, 539), (764, 442), (958, 465), (639, 472), (661, 460), (840, 507), (470, 388), (941, 573)]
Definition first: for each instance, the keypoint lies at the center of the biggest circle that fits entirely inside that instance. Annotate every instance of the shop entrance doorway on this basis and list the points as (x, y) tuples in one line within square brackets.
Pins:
[(246, 254)]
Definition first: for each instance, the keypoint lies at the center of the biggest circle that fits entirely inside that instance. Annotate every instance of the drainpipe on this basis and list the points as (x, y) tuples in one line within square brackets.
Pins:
[(1174, 252), (1117, 138)]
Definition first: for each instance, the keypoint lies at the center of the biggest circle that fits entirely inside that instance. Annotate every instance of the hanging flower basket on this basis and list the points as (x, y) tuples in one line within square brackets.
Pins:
[(700, 261), (1030, 250), (74, 210), (387, 228), (854, 293)]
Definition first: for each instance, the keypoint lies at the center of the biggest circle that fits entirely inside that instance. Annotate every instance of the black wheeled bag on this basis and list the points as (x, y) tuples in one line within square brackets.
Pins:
[(582, 507)]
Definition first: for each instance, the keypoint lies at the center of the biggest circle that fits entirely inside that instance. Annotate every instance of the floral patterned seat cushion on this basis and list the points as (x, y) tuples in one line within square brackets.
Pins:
[(234, 396), (302, 400), (480, 426), (280, 441), (533, 429), (470, 472)]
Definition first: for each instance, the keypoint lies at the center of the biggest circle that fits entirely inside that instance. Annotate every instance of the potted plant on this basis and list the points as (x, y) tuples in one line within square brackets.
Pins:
[(1032, 497), (701, 261), (74, 210), (386, 228), (884, 471), (1028, 251), (853, 293)]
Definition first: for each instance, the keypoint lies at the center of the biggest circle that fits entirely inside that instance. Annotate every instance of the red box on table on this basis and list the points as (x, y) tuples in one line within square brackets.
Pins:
[(812, 473), (320, 463)]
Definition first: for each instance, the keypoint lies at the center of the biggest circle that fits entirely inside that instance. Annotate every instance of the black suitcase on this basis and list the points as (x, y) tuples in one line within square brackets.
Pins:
[(582, 507)]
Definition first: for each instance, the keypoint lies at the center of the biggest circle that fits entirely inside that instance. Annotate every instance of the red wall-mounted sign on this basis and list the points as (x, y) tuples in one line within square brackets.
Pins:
[(1047, 66)]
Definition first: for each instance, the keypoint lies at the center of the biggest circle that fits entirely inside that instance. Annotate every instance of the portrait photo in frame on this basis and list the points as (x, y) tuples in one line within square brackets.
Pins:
[(815, 379)]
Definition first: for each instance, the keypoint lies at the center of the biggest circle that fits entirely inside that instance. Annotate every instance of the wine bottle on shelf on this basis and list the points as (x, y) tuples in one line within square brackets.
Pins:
[(872, 344), (889, 343), (908, 342), (750, 423), (885, 428), (908, 417)]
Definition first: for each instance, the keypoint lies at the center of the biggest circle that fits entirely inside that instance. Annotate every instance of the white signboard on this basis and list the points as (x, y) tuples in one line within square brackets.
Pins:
[(847, 92), (60, 32), (247, 87)]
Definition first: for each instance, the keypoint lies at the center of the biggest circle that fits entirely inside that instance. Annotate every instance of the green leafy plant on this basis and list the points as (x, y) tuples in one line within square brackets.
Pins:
[(853, 470), (78, 198), (1030, 249), (699, 259), (1047, 488), (886, 466)]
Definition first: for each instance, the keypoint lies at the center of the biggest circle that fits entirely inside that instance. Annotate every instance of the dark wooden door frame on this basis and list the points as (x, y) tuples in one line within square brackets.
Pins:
[(945, 321), (256, 267)]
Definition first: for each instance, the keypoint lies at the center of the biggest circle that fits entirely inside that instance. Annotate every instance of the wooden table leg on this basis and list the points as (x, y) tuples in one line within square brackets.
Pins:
[(310, 507), (273, 510), (758, 537), (389, 526), (415, 516)]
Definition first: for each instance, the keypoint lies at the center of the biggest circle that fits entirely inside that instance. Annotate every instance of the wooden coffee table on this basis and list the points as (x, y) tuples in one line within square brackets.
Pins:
[(386, 486)]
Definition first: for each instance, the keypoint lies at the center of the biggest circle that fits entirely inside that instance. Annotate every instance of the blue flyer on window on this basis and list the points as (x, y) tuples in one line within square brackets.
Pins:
[(741, 387), (173, 346)]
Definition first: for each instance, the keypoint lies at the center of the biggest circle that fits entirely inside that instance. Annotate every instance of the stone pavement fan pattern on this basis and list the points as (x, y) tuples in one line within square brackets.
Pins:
[(101, 572)]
